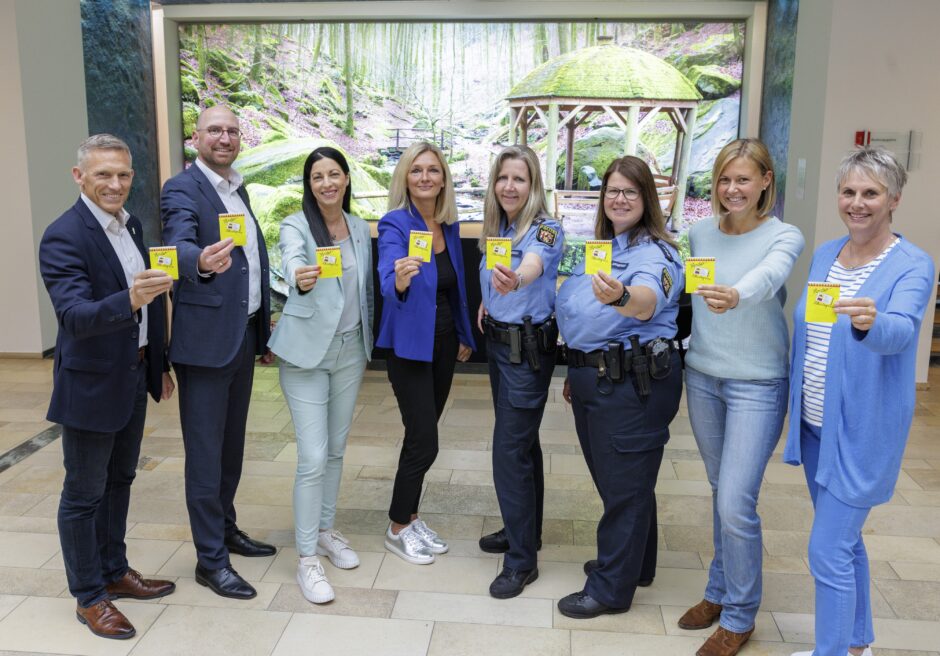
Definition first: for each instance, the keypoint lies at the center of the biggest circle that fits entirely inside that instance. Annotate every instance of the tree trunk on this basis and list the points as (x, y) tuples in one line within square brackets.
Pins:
[(347, 74), (255, 73)]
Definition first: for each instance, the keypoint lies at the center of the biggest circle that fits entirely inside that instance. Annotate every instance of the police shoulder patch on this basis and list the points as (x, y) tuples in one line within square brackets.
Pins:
[(666, 279), (546, 235)]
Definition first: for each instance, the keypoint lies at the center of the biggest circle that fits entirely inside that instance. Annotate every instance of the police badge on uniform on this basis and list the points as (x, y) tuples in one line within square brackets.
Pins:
[(547, 235), (666, 280)]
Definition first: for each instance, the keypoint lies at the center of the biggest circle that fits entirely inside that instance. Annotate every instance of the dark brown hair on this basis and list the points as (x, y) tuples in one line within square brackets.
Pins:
[(651, 224)]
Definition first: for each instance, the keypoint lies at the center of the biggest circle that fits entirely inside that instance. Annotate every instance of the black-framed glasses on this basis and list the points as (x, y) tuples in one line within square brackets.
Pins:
[(613, 192), (215, 132)]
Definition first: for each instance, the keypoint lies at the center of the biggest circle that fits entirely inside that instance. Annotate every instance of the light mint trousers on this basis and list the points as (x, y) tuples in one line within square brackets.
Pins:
[(321, 402)]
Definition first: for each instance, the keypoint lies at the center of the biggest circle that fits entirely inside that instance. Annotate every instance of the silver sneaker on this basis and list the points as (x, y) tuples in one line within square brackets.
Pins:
[(335, 546), (430, 538), (312, 580), (408, 546)]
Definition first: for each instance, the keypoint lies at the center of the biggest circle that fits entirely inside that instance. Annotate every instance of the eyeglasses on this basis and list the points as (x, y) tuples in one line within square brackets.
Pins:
[(612, 193), (215, 132)]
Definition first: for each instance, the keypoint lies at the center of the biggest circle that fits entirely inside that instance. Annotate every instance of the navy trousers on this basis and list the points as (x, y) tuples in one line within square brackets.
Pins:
[(92, 518), (623, 436), (519, 396), (213, 412)]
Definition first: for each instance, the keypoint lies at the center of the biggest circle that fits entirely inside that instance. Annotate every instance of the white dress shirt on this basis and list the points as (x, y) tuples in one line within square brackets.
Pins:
[(115, 228), (228, 192)]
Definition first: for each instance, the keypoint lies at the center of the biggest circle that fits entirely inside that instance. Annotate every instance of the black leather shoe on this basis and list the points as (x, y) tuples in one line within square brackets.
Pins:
[(498, 542), (225, 582), (582, 606), (592, 565), (239, 543), (511, 582)]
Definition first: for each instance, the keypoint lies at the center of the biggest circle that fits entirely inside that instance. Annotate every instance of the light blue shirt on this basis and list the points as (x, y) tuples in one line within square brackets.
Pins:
[(537, 299), (587, 324)]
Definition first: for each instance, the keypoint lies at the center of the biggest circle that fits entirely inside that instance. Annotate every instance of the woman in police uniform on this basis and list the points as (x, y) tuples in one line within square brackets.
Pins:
[(516, 317), (624, 381)]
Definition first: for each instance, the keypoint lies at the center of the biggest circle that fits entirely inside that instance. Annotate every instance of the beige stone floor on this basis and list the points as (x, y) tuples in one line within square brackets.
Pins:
[(386, 606)]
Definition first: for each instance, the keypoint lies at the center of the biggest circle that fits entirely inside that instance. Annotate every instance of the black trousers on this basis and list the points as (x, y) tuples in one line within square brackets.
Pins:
[(421, 389), (213, 412)]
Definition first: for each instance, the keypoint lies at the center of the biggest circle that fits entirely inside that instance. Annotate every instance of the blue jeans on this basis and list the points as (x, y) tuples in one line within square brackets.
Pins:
[(838, 562), (92, 518), (737, 424), (321, 402)]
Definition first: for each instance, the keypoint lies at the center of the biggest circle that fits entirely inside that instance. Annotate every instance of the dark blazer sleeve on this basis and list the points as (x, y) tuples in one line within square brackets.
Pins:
[(180, 214)]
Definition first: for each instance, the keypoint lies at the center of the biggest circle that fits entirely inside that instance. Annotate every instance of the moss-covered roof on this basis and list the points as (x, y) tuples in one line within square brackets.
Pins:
[(606, 71)]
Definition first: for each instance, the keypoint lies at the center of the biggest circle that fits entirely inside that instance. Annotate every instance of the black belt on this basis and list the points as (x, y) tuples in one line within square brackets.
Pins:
[(501, 332), (617, 365)]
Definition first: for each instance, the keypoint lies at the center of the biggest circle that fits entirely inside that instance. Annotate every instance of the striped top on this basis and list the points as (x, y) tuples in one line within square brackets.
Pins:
[(817, 336)]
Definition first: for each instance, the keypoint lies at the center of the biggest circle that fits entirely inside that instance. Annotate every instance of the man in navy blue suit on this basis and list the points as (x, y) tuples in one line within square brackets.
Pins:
[(109, 353), (221, 321)]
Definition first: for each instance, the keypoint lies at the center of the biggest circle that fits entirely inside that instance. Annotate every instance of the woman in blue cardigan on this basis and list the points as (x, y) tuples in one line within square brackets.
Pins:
[(426, 327), (846, 432)]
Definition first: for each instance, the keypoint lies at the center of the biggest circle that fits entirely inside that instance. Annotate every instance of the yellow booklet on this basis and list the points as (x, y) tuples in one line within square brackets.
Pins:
[(699, 271), (597, 256), (820, 299), (234, 226), (420, 243), (163, 258), (330, 260), (498, 251)]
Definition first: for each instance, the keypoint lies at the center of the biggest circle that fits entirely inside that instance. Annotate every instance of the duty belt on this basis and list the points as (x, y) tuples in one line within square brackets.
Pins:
[(525, 339), (649, 361)]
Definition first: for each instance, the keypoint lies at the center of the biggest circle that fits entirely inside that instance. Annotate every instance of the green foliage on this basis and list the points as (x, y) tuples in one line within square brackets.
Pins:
[(475, 181), (274, 93), (279, 125), (268, 137), (375, 160), (189, 153), (700, 184), (190, 115), (458, 156), (307, 108), (247, 99), (573, 255), (607, 71), (685, 250), (271, 205), (222, 62), (381, 176), (189, 90), (716, 50), (331, 92), (234, 82)]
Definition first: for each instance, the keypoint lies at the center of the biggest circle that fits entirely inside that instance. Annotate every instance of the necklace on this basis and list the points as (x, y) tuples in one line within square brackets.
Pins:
[(855, 261)]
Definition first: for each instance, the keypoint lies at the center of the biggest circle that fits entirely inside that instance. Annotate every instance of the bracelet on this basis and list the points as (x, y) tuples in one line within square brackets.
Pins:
[(520, 281)]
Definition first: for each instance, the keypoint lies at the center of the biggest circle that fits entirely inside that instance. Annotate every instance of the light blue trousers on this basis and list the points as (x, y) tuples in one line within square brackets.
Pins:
[(838, 562), (321, 402)]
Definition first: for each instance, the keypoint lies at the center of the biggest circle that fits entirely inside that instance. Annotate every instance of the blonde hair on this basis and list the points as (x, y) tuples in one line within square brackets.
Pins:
[(535, 205), (755, 151), (652, 224), (445, 207)]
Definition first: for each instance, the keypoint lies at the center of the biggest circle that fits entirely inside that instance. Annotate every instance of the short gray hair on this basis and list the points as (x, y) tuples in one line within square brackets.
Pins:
[(102, 141), (876, 162)]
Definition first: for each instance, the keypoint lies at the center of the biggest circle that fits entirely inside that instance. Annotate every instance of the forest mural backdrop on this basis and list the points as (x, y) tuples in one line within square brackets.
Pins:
[(372, 88)]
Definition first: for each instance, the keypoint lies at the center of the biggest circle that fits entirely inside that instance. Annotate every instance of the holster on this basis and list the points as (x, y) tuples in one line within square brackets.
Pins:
[(530, 344), (640, 366)]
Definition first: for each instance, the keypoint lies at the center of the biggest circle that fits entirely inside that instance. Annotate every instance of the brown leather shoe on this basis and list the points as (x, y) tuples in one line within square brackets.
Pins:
[(106, 621), (724, 643), (701, 616), (133, 585)]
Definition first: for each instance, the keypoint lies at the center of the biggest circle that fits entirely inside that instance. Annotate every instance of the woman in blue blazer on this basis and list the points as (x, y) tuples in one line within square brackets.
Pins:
[(426, 327), (848, 433), (323, 340)]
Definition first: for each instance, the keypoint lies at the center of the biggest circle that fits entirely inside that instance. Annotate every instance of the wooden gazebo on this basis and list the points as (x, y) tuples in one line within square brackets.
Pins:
[(569, 89)]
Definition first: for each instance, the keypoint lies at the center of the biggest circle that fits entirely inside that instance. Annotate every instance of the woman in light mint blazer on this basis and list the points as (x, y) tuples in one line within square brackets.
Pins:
[(323, 341)]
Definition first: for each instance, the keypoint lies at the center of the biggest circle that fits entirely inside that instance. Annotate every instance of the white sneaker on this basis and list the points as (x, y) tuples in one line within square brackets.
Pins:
[(335, 546), (430, 538), (312, 579), (408, 545)]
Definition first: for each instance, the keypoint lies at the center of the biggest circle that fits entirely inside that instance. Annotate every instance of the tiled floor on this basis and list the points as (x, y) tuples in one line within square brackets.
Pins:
[(387, 607)]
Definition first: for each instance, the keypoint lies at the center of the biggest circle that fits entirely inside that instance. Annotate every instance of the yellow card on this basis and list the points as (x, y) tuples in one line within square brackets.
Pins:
[(597, 256), (699, 271), (498, 251), (163, 258), (234, 226), (820, 298), (419, 244), (330, 260)]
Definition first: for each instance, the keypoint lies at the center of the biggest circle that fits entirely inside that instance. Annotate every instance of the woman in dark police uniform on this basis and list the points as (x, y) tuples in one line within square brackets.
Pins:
[(426, 327), (624, 381), (516, 317)]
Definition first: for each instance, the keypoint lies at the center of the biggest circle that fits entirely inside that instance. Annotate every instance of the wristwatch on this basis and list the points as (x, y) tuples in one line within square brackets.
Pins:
[(623, 300)]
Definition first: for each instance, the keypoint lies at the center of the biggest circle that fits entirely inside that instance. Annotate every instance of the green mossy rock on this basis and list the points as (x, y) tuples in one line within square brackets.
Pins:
[(607, 71), (700, 184), (307, 108), (279, 125), (222, 62), (271, 205), (189, 91), (281, 163), (381, 176), (234, 82), (189, 153), (712, 83), (247, 99), (716, 50), (190, 116), (271, 136), (274, 93), (331, 92), (597, 149)]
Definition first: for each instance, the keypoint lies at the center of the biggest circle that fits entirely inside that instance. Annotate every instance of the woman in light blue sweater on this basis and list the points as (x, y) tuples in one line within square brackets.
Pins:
[(852, 390), (736, 378)]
